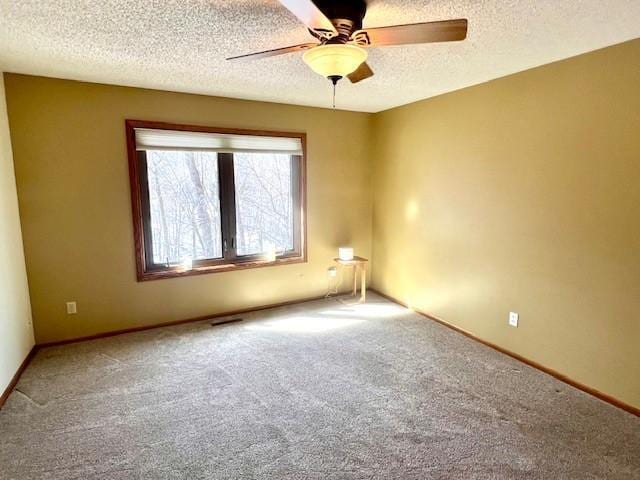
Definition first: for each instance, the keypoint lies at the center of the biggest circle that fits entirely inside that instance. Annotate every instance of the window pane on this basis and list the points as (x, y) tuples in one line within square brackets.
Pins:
[(264, 203), (185, 206)]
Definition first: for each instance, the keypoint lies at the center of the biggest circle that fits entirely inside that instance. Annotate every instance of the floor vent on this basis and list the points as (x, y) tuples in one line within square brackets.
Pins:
[(224, 322)]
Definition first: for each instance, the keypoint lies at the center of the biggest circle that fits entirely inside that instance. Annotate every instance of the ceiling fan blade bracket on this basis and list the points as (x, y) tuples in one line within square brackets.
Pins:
[(322, 34), (361, 38)]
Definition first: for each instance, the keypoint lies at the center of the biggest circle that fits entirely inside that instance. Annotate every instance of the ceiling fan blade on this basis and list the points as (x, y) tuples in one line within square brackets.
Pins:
[(362, 73), (429, 32), (274, 52), (309, 14)]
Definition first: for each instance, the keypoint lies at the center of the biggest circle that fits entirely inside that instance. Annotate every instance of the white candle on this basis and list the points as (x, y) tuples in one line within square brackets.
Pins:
[(270, 252), (345, 253), (187, 264), (270, 255)]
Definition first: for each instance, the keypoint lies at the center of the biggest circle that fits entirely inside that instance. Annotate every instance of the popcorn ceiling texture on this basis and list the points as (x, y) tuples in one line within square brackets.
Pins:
[(181, 45)]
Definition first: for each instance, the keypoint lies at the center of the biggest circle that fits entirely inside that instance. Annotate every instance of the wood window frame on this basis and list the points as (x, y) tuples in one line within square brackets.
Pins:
[(230, 261)]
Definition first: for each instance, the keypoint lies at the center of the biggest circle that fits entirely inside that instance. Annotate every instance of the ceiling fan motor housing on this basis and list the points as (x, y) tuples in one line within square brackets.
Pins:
[(346, 17)]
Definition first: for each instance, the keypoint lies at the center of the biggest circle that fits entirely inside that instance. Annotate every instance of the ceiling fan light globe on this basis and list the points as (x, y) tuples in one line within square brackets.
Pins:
[(335, 60)]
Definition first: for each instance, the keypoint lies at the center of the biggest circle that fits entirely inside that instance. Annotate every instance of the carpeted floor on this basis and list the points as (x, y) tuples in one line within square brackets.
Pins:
[(315, 391)]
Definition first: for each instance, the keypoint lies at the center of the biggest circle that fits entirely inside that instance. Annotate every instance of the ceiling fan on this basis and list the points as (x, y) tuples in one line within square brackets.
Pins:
[(339, 50)]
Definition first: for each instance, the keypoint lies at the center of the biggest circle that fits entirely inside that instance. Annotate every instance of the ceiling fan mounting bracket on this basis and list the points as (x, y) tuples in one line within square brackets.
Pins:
[(341, 10)]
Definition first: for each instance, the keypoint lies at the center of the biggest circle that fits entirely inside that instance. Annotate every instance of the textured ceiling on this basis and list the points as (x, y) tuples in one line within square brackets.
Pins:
[(181, 45)]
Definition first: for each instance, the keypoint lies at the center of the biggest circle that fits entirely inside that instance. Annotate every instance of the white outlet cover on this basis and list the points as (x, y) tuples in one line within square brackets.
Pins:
[(513, 319), (71, 308)]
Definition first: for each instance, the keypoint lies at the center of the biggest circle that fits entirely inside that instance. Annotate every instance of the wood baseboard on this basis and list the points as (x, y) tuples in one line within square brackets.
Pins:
[(560, 376), (14, 381), (175, 322)]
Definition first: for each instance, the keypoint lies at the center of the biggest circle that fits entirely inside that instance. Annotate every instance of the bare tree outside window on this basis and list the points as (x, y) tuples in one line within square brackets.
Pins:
[(209, 199), (264, 203), (184, 205)]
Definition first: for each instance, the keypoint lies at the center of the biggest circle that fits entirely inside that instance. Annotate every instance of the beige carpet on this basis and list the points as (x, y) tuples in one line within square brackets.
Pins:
[(316, 391)]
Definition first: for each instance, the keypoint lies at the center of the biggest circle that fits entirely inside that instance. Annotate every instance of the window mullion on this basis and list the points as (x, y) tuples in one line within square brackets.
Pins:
[(296, 205), (227, 205), (145, 208)]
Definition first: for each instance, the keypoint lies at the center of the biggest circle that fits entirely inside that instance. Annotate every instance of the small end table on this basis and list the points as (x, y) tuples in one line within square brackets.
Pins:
[(358, 264)]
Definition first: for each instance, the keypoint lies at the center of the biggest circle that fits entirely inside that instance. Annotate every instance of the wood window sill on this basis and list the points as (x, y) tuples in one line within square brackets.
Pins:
[(223, 267)]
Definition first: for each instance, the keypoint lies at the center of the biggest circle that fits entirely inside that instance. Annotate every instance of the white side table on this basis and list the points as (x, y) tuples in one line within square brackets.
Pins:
[(359, 264)]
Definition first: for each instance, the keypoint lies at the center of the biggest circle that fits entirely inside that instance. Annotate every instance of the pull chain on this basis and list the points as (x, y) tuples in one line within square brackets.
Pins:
[(334, 95), (334, 80)]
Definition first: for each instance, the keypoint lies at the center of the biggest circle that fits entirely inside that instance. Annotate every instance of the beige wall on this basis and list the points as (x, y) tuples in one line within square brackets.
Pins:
[(523, 194), (73, 184), (16, 332)]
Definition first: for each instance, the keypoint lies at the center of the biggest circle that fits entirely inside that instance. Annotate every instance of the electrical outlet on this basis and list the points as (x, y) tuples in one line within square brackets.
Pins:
[(332, 271), (72, 308), (513, 319)]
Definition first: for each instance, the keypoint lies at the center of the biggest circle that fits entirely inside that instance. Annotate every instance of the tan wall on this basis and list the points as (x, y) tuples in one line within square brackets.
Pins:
[(73, 185), (523, 194), (520, 194), (16, 332)]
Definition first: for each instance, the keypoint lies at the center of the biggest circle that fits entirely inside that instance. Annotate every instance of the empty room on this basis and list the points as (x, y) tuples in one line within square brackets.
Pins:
[(319, 239)]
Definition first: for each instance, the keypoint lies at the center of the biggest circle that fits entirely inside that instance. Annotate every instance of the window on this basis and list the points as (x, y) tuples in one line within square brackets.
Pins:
[(209, 200)]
